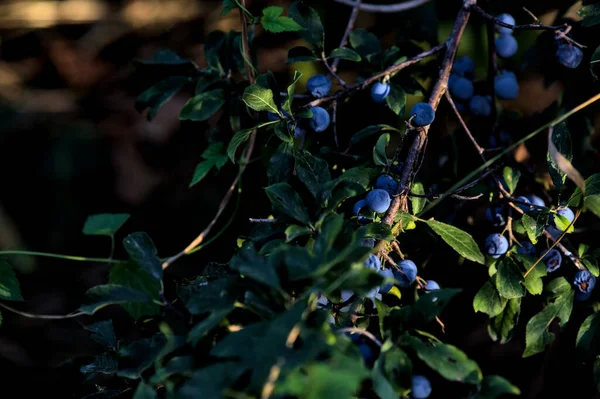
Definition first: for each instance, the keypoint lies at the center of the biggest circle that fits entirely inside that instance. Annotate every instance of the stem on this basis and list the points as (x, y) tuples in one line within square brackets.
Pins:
[(41, 316), (346, 34), (332, 72), (362, 332), (385, 8), (535, 26), (61, 256)]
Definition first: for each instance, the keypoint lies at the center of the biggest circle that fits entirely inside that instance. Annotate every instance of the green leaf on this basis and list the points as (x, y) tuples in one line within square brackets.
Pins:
[(379, 155), (214, 156), (590, 14), (533, 282), (562, 140), (312, 171), (140, 355), (294, 231), (459, 240), (237, 140), (272, 21), (203, 106), (345, 53), (502, 327), (511, 178), (595, 63), (291, 90), (365, 43), (396, 99), (103, 333), (508, 279), (371, 130), (534, 223), (284, 199), (449, 361), (132, 276), (300, 54), (417, 203), (281, 164), (494, 386), (592, 189), (537, 336), (157, 95), (228, 5), (392, 372), (254, 266), (178, 365), (9, 285), (110, 294), (211, 381), (104, 363), (488, 300), (428, 306), (587, 336), (260, 99), (309, 19), (142, 251), (144, 391), (104, 224), (209, 323)]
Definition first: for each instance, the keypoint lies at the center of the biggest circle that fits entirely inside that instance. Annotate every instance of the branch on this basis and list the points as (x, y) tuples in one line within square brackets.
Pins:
[(385, 8), (438, 91), (534, 26), (346, 34), (362, 332), (42, 316)]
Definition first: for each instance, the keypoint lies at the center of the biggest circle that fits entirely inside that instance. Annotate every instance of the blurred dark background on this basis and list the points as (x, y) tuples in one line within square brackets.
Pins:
[(72, 144)]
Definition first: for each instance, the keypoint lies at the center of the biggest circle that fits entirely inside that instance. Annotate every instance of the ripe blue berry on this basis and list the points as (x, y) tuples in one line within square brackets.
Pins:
[(554, 232), (379, 91), (358, 206), (421, 387), (494, 215), (580, 296), (481, 105), (368, 242), (386, 183), (367, 354), (386, 274), (552, 259), (526, 248), (373, 262), (431, 285), (506, 46), (320, 119), (408, 275), (567, 213), (461, 88), (423, 113), (506, 86), (584, 281), (535, 200), (522, 205), (507, 19), (569, 55), (496, 245), (378, 200), (464, 66), (319, 86)]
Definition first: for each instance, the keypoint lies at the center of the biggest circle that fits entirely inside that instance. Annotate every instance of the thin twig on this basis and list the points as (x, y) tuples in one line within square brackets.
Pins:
[(42, 316), (349, 28), (261, 220), (535, 26), (334, 121), (360, 331), (492, 71), (386, 8), (332, 72), (479, 149)]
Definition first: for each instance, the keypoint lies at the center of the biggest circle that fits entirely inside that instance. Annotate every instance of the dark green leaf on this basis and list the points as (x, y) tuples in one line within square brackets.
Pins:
[(205, 326), (378, 231), (156, 96), (281, 164), (511, 178), (587, 336), (590, 14), (342, 191), (204, 82), (9, 285), (365, 43), (103, 333), (562, 140), (104, 363), (203, 106), (345, 53), (272, 21), (312, 171), (252, 265), (291, 90), (104, 224), (179, 365), (369, 131), (592, 189), (284, 199), (142, 251), (228, 5), (139, 355), (508, 279), (144, 391), (379, 154), (329, 227), (494, 387), (502, 327), (109, 294), (459, 240), (557, 287), (396, 99), (166, 63), (134, 277), (595, 63), (202, 297), (489, 301), (596, 371), (308, 19), (237, 140), (300, 54), (392, 372), (537, 336), (211, 381), (428, 306), (534, 223), (214, 156)]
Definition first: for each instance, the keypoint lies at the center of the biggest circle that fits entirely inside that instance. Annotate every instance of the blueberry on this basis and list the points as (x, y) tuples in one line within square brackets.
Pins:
[(535, 200), (423, 113), (367, 354), (272, 116), (494, 215), (379, 91), (552, 259), (523, 203), (322, 301), (373, 262), (302, 126), (584, 281), (554, 232), (506, 46), (358, 206), (368, 242), (346, 295), (580, 296), (378, 200), (507, 19), (526, 248), (481, 105), (319, 86), (567, 213), (464, 66), (421, 387), (386, 183), (569, 55), (386, 274), (320, 119), (506, 86), (461, 88), (496, 245), (408, 275), (431, 285)]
